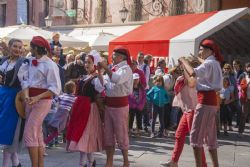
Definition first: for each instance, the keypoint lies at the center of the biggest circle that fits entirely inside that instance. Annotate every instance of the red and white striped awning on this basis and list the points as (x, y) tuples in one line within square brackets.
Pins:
[(176, 36)]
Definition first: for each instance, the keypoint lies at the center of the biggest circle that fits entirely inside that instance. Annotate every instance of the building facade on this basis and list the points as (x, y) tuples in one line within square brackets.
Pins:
[(90, 12), (107, 11), (13, 12)]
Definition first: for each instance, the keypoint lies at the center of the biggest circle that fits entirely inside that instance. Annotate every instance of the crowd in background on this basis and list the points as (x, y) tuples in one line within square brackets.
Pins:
[(151, 98)]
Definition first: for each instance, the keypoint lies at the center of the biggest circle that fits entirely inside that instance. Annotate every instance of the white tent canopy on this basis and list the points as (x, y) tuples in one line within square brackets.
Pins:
[(26, 33), (102, 41), (99, 37), (188, 41)]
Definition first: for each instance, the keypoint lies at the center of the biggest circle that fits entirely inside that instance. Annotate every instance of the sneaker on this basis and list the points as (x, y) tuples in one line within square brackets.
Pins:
[(230, 128), (152, 135), (169, 164), (165, 133)]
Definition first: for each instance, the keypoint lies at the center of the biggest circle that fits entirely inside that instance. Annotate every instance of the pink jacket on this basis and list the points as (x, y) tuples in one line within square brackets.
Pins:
[(133, 104)]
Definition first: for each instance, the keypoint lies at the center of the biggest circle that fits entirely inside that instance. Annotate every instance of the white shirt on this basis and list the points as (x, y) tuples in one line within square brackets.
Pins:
[(169, 82), (96, 82), (7, 66), (45, 75), (209, 75), (121, 82), (146, 73)]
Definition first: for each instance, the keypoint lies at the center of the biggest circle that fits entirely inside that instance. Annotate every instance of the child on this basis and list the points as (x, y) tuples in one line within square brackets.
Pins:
[(225, 97), (136, 103), (159, 97), (59, 120), (47, 119)]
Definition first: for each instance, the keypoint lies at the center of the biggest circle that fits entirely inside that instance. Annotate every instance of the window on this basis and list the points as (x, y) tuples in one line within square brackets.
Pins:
[(2, 15), (46, 7), (74, 4)]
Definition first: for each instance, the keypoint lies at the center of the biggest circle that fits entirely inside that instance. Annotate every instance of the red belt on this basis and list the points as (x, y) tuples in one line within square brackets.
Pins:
[(207, 98), (37, 91), (116, 102)]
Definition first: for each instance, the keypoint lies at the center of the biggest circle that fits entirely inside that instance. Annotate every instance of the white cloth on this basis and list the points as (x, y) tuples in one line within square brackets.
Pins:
[(146, 73), (209, 75), (159, 71), (169, 82), (7, 66), (45, 75), (97, 83), (96, 55), (121, 82)]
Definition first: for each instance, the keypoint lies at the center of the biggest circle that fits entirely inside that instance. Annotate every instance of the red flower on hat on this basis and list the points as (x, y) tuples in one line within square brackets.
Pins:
[(34, 62)]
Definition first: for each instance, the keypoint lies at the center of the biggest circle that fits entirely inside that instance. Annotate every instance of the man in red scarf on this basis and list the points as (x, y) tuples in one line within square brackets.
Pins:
[(209, 80), (118, 85)]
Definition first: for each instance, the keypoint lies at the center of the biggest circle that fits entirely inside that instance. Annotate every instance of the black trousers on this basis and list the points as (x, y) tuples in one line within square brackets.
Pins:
[(225, 114), (167, 115), (132, 114)]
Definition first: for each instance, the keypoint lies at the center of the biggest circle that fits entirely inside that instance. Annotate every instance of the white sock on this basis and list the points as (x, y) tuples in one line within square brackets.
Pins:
[(6, 158), (15, 159), (83, 158), (90, 159)]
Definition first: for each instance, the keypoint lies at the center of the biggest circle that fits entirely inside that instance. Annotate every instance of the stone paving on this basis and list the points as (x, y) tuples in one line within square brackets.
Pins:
[(148, 152)]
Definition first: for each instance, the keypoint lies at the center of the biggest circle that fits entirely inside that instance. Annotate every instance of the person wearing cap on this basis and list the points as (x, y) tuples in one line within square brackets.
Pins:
[(208, 82), (40, 81), (56, 48), (118, 84), (10, 122), (136, 103), (85, 127)]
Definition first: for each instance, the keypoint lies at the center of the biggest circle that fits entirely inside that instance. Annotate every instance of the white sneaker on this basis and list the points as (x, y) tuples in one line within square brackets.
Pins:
[(152, 135), (169, 164)]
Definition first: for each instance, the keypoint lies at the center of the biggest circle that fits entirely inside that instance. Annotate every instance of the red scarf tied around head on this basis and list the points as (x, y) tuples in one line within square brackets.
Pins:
[(211, 44), (124, 51), (179, 84), (41, 42)]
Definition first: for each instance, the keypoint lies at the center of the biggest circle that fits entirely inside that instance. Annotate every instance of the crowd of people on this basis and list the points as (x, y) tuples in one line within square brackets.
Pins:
[(93, 103)]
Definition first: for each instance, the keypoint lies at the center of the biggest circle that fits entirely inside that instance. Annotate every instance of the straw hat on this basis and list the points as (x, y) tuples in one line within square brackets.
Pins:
[(20, 105)]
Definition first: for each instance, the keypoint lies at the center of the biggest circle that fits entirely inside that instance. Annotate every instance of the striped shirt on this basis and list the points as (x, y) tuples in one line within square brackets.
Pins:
[(66, 101)]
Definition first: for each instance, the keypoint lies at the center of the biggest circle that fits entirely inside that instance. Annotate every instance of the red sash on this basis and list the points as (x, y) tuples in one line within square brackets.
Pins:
[(207, 98), (116, 102), (37, 91), (79, 118)]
